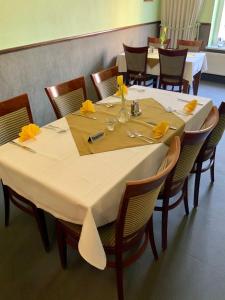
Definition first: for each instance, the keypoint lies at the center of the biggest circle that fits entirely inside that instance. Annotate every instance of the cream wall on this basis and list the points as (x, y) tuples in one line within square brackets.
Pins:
[(25, 22), (207, 11)]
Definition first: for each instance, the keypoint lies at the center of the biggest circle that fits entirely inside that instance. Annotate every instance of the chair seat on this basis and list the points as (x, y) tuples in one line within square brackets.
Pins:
[(106, 232), (172, 81)]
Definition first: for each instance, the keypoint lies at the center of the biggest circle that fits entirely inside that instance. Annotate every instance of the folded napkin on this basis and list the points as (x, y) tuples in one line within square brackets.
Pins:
[(119, 80), (87, 106), (190, 107), (122, 88), (28, 132), (160, 130)]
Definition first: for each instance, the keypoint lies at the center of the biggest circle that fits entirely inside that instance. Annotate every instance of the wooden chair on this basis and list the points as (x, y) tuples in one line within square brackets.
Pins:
[(134, 221), (14, 114), (193, 46), (208, 153), (67, 97), (172, 63), (105, 82), (136, 60), (176, 185), (155, 42)]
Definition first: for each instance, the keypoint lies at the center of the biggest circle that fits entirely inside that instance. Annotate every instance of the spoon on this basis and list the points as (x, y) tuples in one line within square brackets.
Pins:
[(132, 135), (137, 133)]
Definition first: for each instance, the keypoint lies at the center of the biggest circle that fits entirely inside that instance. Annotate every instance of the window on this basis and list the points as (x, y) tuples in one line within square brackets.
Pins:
[(217, 33)]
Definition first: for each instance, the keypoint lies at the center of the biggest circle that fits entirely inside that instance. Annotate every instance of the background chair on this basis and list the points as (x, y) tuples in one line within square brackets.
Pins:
[(193, 46), (14, 114), (155, 42), (133, 222), (105, 82), (172, 63), (67, 97), (177, 182), (208, 153), (136, 60)]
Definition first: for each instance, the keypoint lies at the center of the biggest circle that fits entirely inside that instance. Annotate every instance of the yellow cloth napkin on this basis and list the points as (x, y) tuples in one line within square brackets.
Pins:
[(28, 132), (87, 106), (122, 88), (119, 80), (190, 107), (160, 130)]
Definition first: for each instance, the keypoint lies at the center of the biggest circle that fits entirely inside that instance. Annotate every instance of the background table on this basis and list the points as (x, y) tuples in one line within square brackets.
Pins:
[(195, 64), (86, 189)]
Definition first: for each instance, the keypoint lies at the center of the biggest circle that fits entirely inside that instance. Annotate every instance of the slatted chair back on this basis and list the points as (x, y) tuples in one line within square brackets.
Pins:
[(140, 196), (172, 63), (14, 114), (67, 97), (191, 145), (136, 59), (155, 42), (193, 46), (105, 82), (218, 131)]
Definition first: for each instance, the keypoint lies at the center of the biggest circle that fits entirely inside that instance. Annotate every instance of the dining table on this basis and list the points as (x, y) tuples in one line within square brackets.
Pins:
[(195, 65), (82, 182)]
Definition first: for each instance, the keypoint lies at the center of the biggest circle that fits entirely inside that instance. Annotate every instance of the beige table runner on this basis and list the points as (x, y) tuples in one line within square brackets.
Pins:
[(81, 128), (152, 62)]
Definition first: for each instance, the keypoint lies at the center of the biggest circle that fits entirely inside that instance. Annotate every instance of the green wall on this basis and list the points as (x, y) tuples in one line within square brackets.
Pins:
[(25, 22), (207, 11)]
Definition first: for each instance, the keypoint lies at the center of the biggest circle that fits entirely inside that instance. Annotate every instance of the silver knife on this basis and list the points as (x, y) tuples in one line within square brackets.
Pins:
[(153, 124), (23, 147)]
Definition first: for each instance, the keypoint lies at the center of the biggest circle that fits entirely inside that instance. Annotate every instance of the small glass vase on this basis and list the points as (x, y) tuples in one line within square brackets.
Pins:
[(123, 116)]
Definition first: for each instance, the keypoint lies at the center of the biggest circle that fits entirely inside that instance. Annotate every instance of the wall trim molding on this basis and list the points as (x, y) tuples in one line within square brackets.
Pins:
[(55, 41)]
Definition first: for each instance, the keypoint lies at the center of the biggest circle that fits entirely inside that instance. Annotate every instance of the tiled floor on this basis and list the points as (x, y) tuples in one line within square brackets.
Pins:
[(192, 268)]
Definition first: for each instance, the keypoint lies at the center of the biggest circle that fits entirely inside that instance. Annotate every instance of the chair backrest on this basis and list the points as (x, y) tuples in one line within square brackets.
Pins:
[(14, 114), (191, 144), (136, 59), (155, 42), (140, 196), (172, 63), (105, 82), (67, 97), (193, 46), (217, 133)]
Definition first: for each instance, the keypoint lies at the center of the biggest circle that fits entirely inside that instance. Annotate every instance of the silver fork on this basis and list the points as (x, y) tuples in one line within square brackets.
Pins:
[(88, 117)]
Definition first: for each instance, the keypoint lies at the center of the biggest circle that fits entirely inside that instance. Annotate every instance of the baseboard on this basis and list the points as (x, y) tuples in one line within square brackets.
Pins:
[(213, 77)]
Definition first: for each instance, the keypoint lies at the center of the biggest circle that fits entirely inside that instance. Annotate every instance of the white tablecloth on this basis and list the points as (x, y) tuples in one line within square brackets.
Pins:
[(86, 189), (195, 62)]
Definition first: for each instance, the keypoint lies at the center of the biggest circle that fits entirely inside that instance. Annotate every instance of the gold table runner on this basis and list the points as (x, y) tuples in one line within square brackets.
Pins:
[(152, 62), (81, 128)]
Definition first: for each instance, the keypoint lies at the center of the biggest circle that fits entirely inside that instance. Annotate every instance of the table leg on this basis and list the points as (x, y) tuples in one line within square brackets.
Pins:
[(186, 87), (195, 83)]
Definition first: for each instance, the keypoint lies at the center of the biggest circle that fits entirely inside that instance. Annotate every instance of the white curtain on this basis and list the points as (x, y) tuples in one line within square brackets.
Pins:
[(180, 16)]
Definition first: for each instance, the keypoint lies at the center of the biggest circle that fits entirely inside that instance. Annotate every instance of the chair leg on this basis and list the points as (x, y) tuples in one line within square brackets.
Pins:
[(155, 82), (40, 219), (212, 172), (185, 195), (7, 204), (197, 183), (119, 276), (165, 210), (212, 169), (62, 246), (152, 239)]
